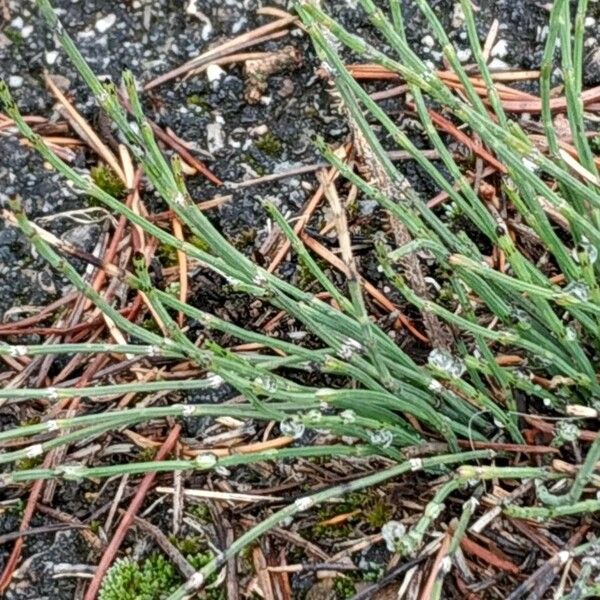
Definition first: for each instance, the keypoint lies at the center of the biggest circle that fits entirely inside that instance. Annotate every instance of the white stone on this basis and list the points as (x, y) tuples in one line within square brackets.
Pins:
[(214, 74), (215, 138), (464, 54), (105, 23), (428, 41), (51, 57), (34, 451), (15, 81), (500, 49), (498, 65)]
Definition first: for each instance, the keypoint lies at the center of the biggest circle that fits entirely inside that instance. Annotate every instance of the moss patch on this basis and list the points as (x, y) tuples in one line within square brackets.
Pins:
[(269, 144), (108, 181)]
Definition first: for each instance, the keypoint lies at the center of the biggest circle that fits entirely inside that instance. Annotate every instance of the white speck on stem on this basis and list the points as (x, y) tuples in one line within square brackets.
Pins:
[(34, 451), (303, 504)]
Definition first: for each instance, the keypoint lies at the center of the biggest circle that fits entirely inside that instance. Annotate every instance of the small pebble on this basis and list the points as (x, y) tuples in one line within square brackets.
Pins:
[(105, 23), (498, 65), (15, 81), (214, 73), (464, 54), (215, 138), (51, 57), (500, 49)]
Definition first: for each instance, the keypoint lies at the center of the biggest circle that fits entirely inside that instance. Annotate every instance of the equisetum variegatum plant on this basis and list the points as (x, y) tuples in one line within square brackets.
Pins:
[(546, 314)]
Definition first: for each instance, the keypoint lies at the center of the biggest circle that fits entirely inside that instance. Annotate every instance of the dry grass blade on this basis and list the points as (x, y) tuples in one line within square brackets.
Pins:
[(225, 496), (84, 130)]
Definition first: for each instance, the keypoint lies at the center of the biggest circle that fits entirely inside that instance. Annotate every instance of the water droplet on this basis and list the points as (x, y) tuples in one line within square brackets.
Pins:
[(586, 246), (323, 431), (520, 374), (566, 431), (71, 472), (578, 290), (314, 416), (349, 348), (381, 438), (521, 319), (292, 428), (435, 386), (206, 461), (444, 361), (348, 416), (266, 384), (393, 532)]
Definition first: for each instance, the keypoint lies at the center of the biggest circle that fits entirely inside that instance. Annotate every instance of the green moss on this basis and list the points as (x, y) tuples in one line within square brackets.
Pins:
[(15, 509), (199, 243), (188, 546), (25, 464), (200, 512), (268, 144), (167, 255), (173, 289), (244, 238), (344, 588), (335, 532), (374, 510), (153, 579), (379, 513), (199, 101), (30, 421), (253, 163), (151, 325), (107, 180), (14, 35), (304, 276), (95, 527), (147, 454)]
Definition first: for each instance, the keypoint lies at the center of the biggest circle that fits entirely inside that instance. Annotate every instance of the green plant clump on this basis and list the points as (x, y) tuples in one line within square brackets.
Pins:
[(152, 579), (269, 144), (107, 180), (155, 578), (497, 324)]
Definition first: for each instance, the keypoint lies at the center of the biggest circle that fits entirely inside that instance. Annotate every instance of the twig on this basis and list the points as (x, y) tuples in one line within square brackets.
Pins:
[(400, 321), (84, 130), (225, 496), (9, 537), (242, 41), (161, 539)]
